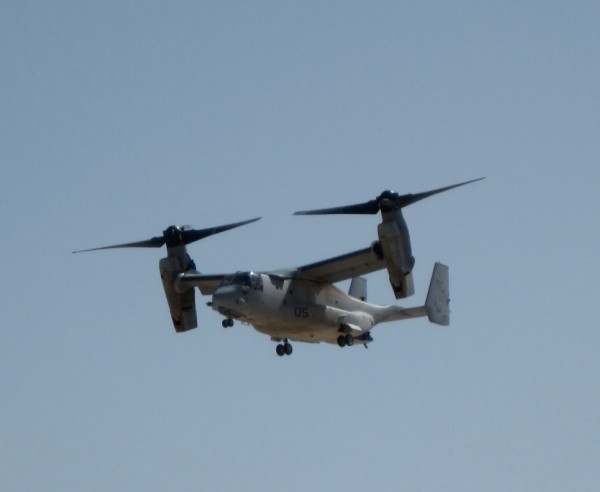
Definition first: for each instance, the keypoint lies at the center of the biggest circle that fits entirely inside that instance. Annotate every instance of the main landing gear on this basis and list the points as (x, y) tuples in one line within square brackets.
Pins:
[(227, 323), (284, 348), (345, 340)]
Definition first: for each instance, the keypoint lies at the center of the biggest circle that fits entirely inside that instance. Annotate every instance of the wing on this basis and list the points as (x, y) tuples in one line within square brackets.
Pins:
[(339, 268), (332, 270), (207, 284)]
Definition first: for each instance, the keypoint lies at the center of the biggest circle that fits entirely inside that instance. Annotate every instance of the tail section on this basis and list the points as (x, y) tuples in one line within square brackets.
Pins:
[(437, 304)]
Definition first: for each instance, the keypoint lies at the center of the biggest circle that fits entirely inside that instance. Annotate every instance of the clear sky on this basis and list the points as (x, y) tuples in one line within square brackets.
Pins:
[(119, 119)]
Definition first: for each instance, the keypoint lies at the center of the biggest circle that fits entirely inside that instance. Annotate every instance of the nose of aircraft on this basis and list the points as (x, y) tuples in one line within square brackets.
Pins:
[(227, 298)]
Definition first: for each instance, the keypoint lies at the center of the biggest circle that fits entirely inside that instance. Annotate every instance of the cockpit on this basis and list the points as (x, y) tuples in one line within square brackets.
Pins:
[(246, 279)]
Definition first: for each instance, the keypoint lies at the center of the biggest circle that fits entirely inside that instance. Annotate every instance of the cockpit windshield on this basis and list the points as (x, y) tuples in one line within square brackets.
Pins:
[(247, 279)]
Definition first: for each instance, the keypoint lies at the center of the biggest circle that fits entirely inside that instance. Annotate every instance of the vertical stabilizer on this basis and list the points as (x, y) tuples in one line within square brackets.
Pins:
[(358, 288), (437, 303)]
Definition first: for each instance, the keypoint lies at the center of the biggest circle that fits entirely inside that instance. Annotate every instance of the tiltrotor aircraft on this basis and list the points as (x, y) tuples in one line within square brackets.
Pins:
[(303, 304)]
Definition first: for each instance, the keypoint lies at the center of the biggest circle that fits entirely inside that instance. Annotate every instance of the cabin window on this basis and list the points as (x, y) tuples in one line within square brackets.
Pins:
[(246, 279)]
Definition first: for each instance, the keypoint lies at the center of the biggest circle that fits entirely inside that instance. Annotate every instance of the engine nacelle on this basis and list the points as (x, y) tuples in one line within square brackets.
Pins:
[(394, 241), (181, 304)]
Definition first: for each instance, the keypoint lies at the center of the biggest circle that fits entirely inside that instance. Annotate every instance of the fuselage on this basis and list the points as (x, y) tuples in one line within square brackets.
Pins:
[(299, 310)]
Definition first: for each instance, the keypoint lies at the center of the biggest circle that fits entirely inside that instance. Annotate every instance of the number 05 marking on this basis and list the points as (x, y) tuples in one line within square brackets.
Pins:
[(301, 312)]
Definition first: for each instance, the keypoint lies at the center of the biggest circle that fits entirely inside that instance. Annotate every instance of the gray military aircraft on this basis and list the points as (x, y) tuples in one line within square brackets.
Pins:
[(303, 304)]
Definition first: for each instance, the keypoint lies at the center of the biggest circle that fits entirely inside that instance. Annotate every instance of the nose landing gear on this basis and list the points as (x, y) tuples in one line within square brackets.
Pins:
[(227, 323)]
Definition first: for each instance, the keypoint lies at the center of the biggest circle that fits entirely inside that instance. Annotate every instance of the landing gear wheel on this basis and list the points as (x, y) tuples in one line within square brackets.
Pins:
[(349, 340), (288, 349), (341, 340), (280, 349), (227, 323)]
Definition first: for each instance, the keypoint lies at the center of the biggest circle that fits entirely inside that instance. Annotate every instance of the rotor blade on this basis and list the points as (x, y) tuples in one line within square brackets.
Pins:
[(370, 207), (406, 200), (155, 242), (191, 235), (174, 236)]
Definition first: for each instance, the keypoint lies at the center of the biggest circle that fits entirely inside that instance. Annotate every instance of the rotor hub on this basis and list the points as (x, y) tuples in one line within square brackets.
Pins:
[(388, 201), (173, 236)]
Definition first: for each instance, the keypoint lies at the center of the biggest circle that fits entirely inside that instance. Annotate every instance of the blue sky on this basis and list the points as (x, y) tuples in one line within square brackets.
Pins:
[(121, 118)]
